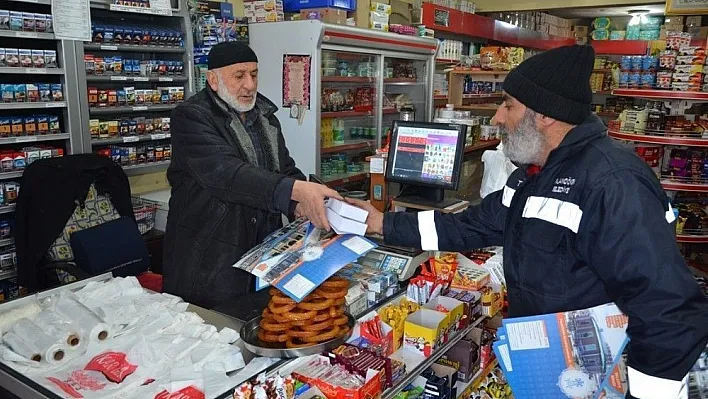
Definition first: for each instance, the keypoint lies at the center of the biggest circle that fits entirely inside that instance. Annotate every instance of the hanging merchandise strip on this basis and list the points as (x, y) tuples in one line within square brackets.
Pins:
[(72, 19)]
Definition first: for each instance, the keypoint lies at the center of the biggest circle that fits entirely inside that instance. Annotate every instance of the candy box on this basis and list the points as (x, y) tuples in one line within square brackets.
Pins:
[(57, 92), (18, 126), (424, 331), (384, 344), (45, 92), (5, 127), (42, 124), (12, 57), (469, 276), (50, 59), (7, 92), (690, 60), (38, 60), (691, 50), (454, 310), (25, 58), (688, 69), (54, 127)]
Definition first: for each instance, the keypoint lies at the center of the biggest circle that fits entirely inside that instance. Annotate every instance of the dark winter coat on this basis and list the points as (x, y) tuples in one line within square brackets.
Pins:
[(222, 204), (592, 227)]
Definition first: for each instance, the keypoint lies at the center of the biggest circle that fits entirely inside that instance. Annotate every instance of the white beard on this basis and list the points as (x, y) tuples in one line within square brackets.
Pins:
[(225, 95), (525, 145)]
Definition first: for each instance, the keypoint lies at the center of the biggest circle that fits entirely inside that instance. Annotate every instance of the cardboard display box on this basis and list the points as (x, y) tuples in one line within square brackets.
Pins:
[(455, 311), (423, 331), (464, 356)]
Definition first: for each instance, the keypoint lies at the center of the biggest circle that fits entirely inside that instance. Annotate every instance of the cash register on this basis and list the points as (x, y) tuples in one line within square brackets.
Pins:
[(404, 261)]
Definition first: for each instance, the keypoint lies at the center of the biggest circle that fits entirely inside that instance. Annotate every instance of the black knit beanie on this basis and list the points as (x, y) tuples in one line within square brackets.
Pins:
[(229, 53), (555, 83)]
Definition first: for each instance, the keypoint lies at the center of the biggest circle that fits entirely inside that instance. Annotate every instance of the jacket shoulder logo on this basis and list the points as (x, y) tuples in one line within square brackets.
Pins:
[(563, 185)]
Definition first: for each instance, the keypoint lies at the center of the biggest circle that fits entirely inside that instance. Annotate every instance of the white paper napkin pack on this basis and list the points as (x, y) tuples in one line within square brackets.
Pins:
[(345, 218)]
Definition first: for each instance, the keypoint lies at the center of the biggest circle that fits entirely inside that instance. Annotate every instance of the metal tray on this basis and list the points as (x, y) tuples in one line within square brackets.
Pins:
[(249, 335)]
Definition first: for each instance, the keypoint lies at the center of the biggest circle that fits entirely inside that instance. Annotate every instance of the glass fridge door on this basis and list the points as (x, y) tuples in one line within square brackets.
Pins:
[(405, 93), (348, 114)]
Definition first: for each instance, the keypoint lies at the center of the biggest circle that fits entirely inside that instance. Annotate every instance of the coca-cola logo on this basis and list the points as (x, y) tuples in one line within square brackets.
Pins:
[(113, 365), (190, 392)]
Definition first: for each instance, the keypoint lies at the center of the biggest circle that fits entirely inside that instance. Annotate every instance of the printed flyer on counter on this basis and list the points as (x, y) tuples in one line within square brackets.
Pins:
[(572, 354), (299, 257)]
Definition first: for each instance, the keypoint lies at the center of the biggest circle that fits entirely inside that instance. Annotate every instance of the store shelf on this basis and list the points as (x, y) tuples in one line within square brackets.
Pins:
[(402, 82), (422, 365), (50, 104), (31, 139), (346, 79), (651, 139), (27, 35), (4, 275), (44, 2), (131, 139), (620, 47), (352, 145), (135, 108), (7, 241), (133, 48), (662, 94), (32, 71), (481, 96), (692, 239), (484, 145), (677, 186), (478, 26), (478, 72), (446, 61), (7, 208), (11, 175), (145, 168), (478, 107), (339, 179), (464, 389), (166, 12), (352, 114), (120, 78)]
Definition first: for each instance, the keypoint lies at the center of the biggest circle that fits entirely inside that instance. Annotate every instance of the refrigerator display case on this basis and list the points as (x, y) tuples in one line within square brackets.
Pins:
[(354, 84)]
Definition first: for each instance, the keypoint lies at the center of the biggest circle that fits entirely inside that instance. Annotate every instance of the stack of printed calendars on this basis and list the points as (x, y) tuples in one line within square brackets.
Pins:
[(572, 354)]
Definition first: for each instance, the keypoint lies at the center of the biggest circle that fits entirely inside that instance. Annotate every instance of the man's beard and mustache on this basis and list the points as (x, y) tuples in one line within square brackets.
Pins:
[(228, 98), (525, 144)]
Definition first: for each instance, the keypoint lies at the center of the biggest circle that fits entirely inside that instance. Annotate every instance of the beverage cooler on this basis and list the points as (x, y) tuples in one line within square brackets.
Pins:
[(339, 89)]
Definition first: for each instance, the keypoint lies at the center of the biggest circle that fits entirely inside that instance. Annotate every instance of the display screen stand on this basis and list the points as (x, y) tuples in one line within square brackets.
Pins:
[(427, 197)]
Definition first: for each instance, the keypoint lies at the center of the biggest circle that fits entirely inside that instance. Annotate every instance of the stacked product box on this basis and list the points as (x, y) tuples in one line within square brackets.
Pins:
[(130, 96), (129, 155), (118, 65), (31, 92), (379, 15), (378, 284), (28, 58), (18, 126), (639, 71), (12, 160), (9, 191), (26, 21), (258, 11), (135, 34), (128, 126)]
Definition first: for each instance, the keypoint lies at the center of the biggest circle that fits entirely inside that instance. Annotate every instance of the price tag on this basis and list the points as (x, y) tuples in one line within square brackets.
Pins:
[(131, 139), (59, 104), (141, 79), (140, 108), (25, 139), (168, 135), (109, 48), (36, 70), (119, 78), (157, 136), (165, 79), (27, 35)]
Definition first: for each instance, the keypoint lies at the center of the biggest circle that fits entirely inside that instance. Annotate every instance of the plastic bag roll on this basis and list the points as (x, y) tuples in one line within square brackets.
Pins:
[(10, 316), (88, 322), (59, 327), (19, 346), (48, 347)]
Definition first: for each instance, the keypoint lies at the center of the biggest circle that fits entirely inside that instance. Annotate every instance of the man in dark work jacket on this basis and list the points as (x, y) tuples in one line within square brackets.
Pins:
[(232, 178), (583, 222)]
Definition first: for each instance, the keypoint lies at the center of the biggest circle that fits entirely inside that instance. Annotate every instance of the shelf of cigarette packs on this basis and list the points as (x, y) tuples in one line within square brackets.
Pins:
[(408, 337)]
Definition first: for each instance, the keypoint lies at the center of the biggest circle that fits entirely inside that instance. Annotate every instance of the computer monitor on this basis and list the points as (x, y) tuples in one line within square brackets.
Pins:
[(426, 158)]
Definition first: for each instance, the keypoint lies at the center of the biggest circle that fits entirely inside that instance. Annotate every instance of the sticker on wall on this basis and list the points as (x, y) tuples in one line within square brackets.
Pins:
[(296, 81)]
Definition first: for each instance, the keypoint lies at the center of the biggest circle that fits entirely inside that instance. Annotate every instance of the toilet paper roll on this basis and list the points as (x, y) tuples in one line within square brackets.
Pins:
[(19, 346), (91, 326), (59, 327), (48, 347)]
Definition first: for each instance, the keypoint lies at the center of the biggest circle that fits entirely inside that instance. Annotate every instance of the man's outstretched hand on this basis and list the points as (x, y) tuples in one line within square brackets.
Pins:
[(374, 222), (311, 202)]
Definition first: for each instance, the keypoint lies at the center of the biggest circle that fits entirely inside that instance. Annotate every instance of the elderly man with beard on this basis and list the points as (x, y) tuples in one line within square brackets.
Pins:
[(583, 222), (232, 178)]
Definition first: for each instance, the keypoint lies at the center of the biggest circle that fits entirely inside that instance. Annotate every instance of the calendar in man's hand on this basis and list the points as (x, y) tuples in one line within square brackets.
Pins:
[(299, 257)]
